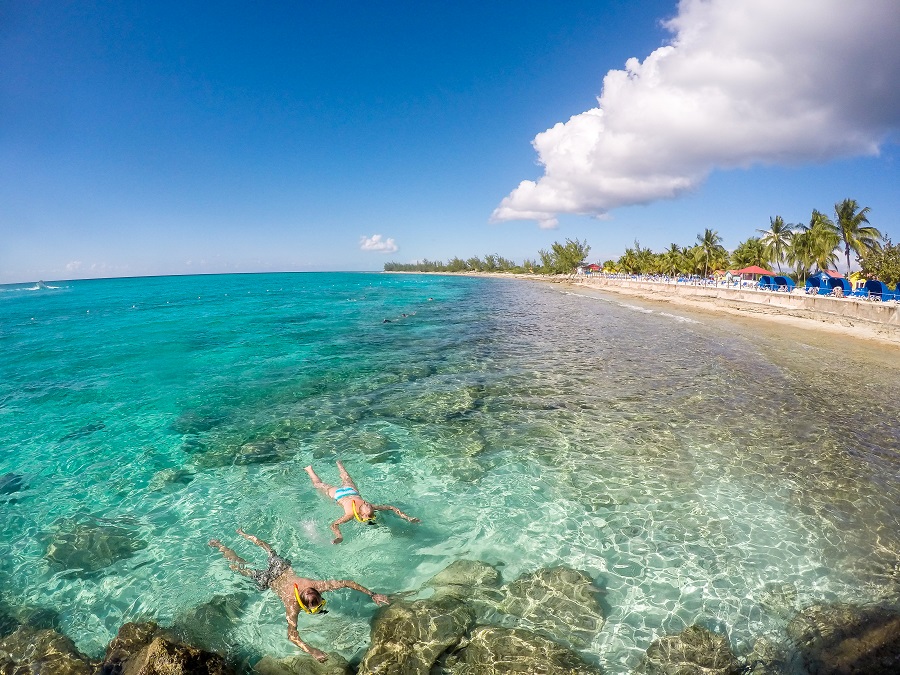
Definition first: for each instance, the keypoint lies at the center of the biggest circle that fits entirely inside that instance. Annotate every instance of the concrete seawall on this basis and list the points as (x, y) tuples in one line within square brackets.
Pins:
[(840, 310)]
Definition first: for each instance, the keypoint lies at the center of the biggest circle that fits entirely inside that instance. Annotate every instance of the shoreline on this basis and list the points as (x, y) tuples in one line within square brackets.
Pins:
[(859, 319)]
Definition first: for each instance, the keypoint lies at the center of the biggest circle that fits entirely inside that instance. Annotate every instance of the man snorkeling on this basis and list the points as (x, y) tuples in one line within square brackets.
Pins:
[(297, 593), (347, 496)]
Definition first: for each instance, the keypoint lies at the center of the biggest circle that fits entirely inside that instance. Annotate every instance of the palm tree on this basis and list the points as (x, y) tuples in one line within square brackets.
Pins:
[(814, 244), (671, 257), (777, 238), (751, 252), (859, 238), (710, 245)]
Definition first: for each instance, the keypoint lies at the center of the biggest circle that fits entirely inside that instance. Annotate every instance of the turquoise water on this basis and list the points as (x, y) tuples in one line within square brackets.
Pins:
[(696, 467)]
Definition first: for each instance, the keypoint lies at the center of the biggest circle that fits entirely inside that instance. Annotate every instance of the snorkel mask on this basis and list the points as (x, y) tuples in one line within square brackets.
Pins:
[(370, 520), (306, 609)]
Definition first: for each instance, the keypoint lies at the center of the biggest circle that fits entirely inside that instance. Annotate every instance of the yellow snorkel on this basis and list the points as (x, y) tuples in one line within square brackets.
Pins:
[(360, 519), (304, 607)]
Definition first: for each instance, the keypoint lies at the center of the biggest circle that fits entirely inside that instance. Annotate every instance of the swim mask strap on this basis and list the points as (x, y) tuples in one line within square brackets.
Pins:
[(356, 514), (304, 607)]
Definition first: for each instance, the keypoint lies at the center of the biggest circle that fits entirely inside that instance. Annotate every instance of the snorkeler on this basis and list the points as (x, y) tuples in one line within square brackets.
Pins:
[(348, 497), (297, 593)]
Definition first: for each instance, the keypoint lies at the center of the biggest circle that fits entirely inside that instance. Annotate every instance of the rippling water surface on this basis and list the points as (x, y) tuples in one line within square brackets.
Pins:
[(696, 467)]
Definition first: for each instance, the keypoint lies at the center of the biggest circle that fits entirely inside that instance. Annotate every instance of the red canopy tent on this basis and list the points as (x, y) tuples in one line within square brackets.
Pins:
[(753, 269)]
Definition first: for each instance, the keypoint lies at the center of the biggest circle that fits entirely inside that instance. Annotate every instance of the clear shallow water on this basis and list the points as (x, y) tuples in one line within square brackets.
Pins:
[(701, 470)]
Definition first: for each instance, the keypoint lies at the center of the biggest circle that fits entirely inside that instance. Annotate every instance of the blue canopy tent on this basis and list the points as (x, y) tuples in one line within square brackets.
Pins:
[(780, 281), (842, 283), (878, 289), (767, 282)]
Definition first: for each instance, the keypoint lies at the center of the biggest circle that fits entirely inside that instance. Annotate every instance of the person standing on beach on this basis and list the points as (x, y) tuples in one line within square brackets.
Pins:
[(297, 593), (347, 496)]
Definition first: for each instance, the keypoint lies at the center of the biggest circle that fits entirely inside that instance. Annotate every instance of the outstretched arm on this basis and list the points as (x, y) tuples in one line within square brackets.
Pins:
[(335, 584), (388, 507), (294, 637), (335, 527)]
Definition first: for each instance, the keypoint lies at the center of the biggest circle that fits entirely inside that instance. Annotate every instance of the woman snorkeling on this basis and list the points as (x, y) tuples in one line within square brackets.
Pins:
[(347, 496)]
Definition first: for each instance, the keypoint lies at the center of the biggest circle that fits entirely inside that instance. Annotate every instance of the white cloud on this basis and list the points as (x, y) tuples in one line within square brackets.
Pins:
[(73, 266), (743, 82), (376, 243)]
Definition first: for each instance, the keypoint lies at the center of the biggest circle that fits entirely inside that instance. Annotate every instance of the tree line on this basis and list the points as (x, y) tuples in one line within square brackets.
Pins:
[(560, 259), (802, 248)]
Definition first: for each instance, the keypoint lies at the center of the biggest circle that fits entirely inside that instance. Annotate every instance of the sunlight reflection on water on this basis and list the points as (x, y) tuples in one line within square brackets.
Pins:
[(689, 467)]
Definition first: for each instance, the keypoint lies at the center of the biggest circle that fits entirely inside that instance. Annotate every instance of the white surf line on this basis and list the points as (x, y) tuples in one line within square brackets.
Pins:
[(644, 310), (682, 319)]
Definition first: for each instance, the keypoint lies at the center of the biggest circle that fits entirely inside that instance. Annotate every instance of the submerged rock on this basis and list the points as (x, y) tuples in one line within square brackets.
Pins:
[(90, 546), (694, 651), (780, 599), (168, 479), (497, 651), (560, 603), (86, 430), (145, 649), (844, 638), (767, 658), (408, 637), (261, 452), (464, 578), (11, 483), (11, 617), (302, 665), (267, 450), (29, 650), (209, 625), (196, 421)]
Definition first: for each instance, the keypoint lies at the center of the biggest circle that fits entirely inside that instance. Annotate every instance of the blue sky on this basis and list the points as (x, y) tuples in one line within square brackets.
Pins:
[(187, 138)]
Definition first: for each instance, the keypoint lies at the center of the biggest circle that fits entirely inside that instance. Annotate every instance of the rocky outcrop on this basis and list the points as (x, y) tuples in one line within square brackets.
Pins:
[(29, 650), (694, 651), (408, 637), (845, 639), (496, 651), (145, 649), (560, 603)]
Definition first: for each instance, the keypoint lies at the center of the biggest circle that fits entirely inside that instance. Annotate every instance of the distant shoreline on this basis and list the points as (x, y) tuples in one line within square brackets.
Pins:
[(859, 319)]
